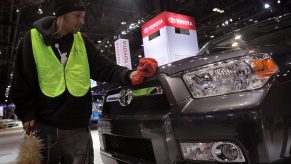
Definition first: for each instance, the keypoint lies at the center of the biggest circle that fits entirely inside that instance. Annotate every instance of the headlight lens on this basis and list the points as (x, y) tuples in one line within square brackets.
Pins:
[(230, 76), (223, 152)]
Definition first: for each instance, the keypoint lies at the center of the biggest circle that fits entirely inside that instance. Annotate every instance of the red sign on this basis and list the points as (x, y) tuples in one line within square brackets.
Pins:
[(168, 19)]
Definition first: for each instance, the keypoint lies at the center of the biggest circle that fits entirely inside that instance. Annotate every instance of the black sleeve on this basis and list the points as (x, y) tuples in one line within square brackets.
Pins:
[(102, 69), (24, 81)]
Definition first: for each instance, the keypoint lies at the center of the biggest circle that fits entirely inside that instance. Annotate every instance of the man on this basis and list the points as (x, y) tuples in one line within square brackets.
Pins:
[(51, 86)]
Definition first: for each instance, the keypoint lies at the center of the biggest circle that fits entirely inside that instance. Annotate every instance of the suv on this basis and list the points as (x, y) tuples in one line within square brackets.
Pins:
[(229, 104)]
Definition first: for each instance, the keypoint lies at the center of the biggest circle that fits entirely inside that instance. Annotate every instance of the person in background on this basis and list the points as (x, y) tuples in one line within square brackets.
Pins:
[(51, 85)]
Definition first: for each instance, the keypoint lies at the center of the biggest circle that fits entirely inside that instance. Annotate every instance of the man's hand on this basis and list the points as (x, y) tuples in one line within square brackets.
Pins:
[(136, 77), (148, 66), (28, 126)]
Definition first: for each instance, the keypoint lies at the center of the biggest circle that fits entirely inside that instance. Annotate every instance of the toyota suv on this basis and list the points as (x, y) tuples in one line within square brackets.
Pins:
[(231, 103)]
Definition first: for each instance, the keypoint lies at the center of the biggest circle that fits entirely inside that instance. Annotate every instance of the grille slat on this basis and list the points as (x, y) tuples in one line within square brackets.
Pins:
[(154, 104), (133, 147)]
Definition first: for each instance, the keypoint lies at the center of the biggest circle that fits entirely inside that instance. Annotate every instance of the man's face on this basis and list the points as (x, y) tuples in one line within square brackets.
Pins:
[(73, 21)]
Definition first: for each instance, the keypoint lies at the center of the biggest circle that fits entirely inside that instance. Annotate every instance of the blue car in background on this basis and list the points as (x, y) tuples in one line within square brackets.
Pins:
[(95, 116), (96, 111)]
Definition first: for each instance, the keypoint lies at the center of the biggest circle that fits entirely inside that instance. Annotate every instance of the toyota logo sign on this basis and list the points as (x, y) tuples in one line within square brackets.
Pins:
[(172, 20), (146, 30), (125, 97)]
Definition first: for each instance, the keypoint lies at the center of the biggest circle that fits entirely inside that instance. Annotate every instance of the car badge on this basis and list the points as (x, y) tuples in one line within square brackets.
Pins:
[(125, 97)]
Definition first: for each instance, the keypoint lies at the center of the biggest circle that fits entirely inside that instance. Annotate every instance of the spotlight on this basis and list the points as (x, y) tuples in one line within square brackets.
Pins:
[(267, 6), (40, 11)]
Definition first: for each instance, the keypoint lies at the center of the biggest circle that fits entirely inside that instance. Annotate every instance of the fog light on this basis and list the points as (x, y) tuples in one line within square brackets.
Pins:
[(213, 151), (227, 152)]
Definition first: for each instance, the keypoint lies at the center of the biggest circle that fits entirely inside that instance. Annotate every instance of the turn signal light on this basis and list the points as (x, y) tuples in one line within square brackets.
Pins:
[(264, 67)]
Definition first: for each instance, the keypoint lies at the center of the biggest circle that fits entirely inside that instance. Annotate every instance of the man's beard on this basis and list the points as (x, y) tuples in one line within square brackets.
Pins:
[(76, 30)]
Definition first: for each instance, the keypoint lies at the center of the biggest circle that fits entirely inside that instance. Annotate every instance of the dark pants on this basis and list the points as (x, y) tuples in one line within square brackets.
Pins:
[(66, 146)]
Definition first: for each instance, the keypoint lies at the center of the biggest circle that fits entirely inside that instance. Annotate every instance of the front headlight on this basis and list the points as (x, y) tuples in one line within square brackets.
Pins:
[(230, 76)]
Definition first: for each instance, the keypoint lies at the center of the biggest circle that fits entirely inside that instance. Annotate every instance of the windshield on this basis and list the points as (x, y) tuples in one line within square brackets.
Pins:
[(275, 31)]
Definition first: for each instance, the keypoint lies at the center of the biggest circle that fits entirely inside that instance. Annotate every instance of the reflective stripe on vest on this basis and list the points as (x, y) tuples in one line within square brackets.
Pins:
[(53, 77)]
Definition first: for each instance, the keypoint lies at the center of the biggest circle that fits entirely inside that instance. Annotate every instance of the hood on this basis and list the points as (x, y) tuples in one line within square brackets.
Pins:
[(200, 60), (46, 27)]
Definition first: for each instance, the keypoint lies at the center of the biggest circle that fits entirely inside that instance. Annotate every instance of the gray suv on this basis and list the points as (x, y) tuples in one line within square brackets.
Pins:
[(229, 104)]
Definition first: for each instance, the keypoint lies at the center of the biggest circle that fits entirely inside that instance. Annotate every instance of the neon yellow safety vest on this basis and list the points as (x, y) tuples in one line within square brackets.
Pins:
[(53, 76)]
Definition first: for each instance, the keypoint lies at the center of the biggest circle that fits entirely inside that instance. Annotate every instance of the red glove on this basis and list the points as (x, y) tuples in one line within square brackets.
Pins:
[(148, 66), (137, 78)]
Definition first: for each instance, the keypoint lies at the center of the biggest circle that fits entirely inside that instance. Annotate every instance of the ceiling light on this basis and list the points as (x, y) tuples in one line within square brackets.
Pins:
[(226, 22), (99, 41), (234, 44), (17, 10), (123, 23), (212, 36), (139, 56), (40, 11), (267, 6), (123, 32), (278, 1), (54, 13), (230, 20), (215, 9), (220, 11), (237, 37), (0, 52), (108, 42)]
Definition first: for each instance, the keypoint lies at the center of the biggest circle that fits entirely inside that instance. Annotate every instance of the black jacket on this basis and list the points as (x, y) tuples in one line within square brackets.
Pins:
[(64, 111)]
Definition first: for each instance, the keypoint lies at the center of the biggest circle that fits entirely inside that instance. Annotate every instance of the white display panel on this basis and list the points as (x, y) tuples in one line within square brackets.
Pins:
[(122, 53)]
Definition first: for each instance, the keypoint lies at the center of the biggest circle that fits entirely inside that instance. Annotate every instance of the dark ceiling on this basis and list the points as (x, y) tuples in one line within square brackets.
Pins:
[(104, 17)]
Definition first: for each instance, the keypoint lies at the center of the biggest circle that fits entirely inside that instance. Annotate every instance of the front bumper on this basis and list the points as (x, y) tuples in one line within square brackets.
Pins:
[(165, 134)]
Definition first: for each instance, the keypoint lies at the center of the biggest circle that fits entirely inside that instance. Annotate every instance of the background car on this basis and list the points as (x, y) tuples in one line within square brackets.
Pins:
[(229, 104), (96, 111)]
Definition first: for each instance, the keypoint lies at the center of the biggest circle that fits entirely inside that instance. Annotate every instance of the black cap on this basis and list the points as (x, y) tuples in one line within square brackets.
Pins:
[(65, 6)]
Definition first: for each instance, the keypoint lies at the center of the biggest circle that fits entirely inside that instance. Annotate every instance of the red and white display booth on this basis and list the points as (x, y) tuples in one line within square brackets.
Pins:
[(169, 37)]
